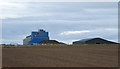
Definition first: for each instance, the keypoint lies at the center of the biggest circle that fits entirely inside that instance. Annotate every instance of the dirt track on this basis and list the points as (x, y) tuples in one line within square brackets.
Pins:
[(61, 56)]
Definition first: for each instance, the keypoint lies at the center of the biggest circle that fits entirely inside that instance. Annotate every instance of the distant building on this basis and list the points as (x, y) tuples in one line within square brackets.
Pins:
[(94, 41), (50, 42), (36, 37)]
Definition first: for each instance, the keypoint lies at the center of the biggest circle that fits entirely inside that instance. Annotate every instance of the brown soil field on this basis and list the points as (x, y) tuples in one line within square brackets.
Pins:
[(61, 56)]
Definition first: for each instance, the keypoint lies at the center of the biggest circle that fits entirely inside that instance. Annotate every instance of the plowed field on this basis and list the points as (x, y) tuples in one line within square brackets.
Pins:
[(61, 56)]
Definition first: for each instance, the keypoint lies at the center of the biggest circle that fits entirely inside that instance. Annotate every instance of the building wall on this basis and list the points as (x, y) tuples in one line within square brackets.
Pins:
[(36, 37), (26, 41), (79, 42)]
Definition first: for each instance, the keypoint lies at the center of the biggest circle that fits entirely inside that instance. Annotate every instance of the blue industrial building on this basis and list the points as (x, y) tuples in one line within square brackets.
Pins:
[(36, 37)]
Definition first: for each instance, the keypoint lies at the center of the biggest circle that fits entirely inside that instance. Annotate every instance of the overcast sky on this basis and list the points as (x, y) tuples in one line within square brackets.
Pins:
[(65, 21)]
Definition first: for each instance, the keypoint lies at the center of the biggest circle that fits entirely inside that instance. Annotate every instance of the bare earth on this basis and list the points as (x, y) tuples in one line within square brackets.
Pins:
[(61, 56)]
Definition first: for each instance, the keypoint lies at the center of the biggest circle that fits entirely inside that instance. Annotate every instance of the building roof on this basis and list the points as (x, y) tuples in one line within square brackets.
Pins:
[(88, 39), (28, 36), (48, 41), (39, 31)]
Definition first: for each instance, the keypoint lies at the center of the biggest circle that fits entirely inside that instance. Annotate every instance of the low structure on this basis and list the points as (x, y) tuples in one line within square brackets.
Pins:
[(94, 41), (36, 37), (50, 42)]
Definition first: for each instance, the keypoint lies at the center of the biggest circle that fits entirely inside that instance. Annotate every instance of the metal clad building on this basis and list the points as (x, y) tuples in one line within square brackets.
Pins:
[(36, 37), (94, 41)]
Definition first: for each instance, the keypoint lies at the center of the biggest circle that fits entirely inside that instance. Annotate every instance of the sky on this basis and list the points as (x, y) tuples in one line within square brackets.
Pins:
[(65, 21)]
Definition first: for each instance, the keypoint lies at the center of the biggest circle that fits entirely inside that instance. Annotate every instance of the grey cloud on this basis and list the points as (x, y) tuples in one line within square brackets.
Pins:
[(59, 17)]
